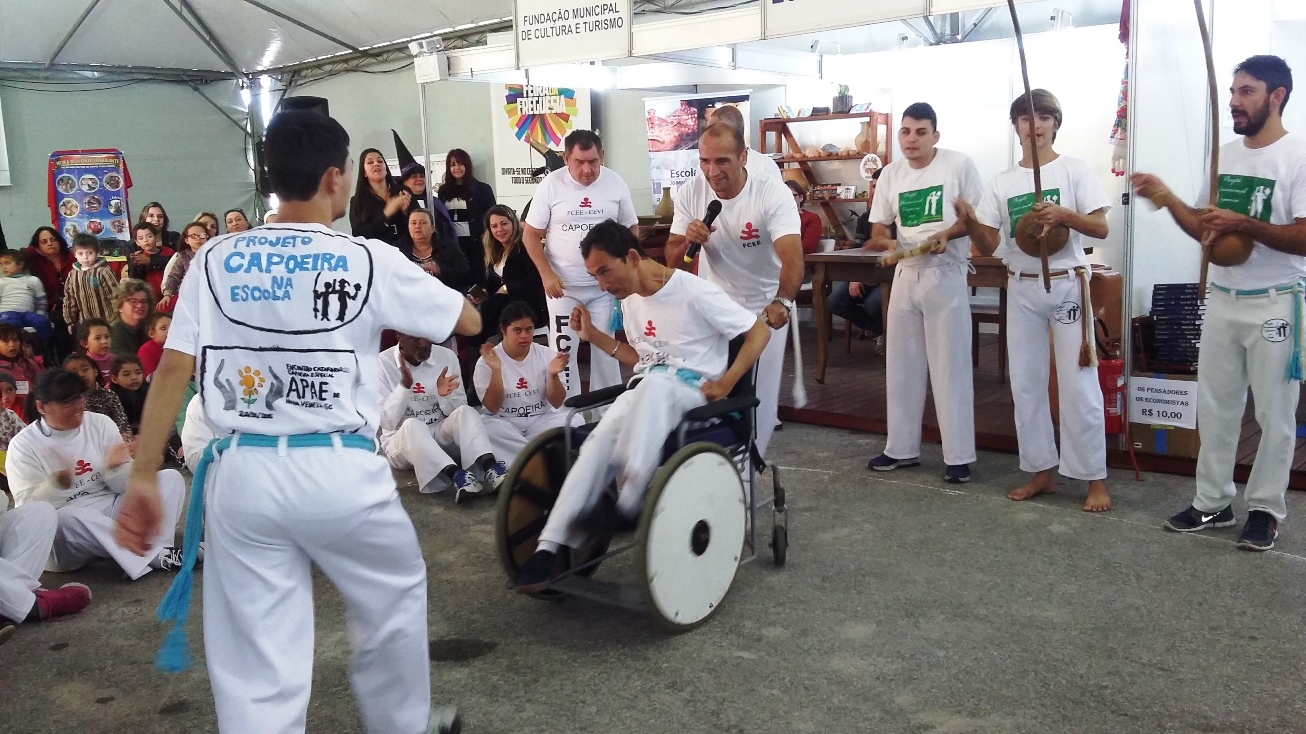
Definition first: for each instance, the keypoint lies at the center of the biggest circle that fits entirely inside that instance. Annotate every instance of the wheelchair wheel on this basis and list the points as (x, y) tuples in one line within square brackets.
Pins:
[(527, 496), (779, 545), (691, 535)]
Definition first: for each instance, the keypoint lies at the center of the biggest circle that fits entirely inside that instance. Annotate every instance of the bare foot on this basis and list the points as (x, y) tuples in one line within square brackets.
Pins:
[(1098, 499), (1044, 482)]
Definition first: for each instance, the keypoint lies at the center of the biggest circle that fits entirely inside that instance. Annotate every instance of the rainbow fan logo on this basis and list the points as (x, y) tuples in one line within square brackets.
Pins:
[(540, 114)]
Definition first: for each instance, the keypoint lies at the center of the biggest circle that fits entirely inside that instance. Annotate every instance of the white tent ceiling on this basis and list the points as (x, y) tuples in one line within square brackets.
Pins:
[(167, 34)]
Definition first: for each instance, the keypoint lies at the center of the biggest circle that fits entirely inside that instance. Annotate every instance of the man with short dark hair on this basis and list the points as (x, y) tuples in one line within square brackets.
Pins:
[(569, 203), (1252, 330), (753, 252), (928, 324), (680, 354), (281, 330)]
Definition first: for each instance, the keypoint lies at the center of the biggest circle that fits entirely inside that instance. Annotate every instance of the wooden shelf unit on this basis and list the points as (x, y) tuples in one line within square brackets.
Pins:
[(776, 136)]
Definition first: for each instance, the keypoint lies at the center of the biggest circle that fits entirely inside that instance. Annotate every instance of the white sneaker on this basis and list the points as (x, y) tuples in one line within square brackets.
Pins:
[(444, 720)]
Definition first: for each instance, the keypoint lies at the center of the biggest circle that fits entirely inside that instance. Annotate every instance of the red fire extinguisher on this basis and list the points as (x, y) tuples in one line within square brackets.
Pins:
[(1111, 377)]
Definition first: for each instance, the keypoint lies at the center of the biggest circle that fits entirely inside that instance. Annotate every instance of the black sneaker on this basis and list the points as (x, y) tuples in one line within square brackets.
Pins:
[(1192, 519), (885, 463), (1259, 532), (957, 474), (540, 570)]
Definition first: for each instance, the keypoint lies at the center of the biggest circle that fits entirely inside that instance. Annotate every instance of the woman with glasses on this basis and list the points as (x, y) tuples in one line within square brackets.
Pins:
[(193, 238), (133, 303)]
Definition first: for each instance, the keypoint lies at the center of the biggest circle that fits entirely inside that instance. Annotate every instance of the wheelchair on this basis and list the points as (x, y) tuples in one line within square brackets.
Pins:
[(697, 526)]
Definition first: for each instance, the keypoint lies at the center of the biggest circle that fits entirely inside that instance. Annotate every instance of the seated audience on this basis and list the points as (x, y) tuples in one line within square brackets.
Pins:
[(468, 200), (210, 222), (10, 400), (509, 273), (156, 328), (76, 461), (133, 302), (27, 535), (810, 222), (860, 303), (22, 297), (155, 214), (438, 255), (93, 336), (128, 383), (236, 220), (12, 360), (98, 399), (195, 234), (379, 209), (50, 259), (150, 259), (426, 422), (88, 291), (517, 381), (194, 433)]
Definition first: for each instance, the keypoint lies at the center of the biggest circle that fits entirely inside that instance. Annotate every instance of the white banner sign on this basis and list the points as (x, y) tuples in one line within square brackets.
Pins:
[(566, 31), (1158, 402), (520, 115), (787, 17)]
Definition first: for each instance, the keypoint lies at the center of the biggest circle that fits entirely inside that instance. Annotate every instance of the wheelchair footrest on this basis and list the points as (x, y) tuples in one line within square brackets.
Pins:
[(604, 592)]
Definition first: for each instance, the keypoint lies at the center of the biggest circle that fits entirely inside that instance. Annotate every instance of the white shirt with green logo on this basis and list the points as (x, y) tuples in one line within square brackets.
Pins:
[(920, 202), (1068, 182), (1268, 184)]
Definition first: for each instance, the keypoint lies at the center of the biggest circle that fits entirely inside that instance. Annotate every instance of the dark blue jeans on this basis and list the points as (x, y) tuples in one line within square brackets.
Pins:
[(864, 312), (28, 318)]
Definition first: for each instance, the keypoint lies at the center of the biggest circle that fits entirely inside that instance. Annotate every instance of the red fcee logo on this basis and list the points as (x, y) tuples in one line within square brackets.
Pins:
[(650, 330), (83, 468), (521, 384), (419, 389), (749, 233), (585, 203)]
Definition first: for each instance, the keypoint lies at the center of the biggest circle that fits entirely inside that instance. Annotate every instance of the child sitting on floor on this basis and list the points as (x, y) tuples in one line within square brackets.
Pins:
[(22, 297), (88, 290), (128, 383), (156, 328), (98, 400), (14, 361), (93, 335)]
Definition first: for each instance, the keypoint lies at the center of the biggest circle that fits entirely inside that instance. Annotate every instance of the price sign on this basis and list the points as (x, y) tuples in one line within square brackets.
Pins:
[(1160, 402)]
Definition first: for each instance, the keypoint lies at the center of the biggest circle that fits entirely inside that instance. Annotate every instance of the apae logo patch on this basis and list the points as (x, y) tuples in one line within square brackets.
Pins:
[(1276, 330), (1068, 312)]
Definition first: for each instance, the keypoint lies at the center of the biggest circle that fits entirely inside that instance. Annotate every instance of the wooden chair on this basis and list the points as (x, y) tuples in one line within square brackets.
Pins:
[(981, 313)]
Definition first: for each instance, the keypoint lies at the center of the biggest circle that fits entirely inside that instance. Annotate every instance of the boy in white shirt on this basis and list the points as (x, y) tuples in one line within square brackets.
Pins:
[(567, 204), (426, 422), (518, 383), (75, 460), (1252, 329), (1072, 197), (681, 327), (928, 324)]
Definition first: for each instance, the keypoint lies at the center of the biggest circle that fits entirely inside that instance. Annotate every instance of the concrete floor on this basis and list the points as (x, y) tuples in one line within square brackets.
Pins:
[(907, 606)]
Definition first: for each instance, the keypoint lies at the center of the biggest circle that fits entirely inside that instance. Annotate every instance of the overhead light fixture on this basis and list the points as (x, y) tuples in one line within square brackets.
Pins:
[(426, 46)]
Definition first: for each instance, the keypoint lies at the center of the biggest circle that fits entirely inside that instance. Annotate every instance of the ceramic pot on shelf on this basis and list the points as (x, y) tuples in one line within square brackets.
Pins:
[(865, 141), (666, 210)]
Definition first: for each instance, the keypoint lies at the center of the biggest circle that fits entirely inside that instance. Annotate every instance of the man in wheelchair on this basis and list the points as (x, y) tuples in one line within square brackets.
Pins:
[(679, 328)]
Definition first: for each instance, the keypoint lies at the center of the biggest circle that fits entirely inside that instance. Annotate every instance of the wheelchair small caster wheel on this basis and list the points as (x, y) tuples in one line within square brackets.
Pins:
[(779, 545)]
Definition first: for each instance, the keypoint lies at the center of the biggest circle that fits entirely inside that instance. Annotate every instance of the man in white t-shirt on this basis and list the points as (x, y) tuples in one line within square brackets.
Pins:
[(1072, 196), (568, 203), (1252, 329), (427, 425), (753, 252), (758, 164), (680, 329), (519, 384), (928, 324), (284, 323)]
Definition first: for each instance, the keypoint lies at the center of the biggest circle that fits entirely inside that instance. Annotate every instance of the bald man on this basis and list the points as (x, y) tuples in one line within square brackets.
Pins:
[(758, 165)]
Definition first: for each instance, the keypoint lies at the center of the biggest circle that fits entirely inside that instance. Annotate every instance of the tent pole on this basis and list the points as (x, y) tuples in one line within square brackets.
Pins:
[(71, 32), (426, 152)]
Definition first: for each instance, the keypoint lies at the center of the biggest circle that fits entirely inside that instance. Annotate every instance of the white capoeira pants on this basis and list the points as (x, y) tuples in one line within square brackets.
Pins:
[(605, 371), (770, 367), (508, 436), (1031, 313), (627, 443), (270, 518), (1245, 344), (26, 535), (929, 326), (86, 530), (429, 451)]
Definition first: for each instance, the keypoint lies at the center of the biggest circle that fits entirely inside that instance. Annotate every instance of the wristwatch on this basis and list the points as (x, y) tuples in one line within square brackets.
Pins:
[(788, 303)]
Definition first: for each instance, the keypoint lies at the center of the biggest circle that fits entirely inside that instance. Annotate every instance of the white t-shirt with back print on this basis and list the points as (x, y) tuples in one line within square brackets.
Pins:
[(920, 202), (525, 383), (687, 324), (1068, 182), (567, 211)]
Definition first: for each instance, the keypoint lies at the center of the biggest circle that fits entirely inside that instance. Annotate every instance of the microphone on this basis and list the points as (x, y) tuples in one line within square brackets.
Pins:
[(713, 209)]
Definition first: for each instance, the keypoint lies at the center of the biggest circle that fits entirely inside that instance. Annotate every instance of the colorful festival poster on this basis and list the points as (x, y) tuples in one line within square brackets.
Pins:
[(88, 193), (526, 120)]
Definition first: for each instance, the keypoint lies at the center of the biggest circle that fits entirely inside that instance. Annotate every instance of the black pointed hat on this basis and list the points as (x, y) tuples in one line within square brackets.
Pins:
[(408, 165)]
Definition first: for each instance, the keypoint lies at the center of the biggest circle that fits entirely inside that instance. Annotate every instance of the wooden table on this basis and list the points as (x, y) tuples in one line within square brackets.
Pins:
[(862, 266)]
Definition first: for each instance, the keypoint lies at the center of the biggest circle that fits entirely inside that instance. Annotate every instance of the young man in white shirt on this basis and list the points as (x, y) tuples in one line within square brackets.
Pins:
[(426, 422), (283, 323), (928, 324), (75, 460), (753, 252), (679, 351), (568, 203), (519, 383), (1072, 196), (1252, 329), (26, 537)]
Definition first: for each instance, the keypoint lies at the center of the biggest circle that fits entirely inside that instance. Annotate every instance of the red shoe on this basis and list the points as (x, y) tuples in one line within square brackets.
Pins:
[(65, 600)]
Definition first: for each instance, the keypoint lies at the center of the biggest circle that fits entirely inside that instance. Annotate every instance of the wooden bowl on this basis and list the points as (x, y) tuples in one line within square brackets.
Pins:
[(1027, 236), (1231, 249)]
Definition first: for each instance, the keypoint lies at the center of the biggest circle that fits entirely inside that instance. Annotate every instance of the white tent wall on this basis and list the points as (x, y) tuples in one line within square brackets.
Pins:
[(179, 149)]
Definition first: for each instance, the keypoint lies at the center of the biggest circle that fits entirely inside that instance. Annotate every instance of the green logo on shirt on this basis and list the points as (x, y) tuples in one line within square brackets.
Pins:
[(1246, 195), (922, 206), (1018, 205)]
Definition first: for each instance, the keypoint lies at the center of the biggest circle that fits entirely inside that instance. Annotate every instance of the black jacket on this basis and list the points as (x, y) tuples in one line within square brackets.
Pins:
[(479, 201), (455, 272), (522, 280), (367, 219)]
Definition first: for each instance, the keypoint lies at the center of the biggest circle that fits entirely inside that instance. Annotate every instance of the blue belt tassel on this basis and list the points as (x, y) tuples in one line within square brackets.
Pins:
[(174, 654), (616, 323), (1294, 364)]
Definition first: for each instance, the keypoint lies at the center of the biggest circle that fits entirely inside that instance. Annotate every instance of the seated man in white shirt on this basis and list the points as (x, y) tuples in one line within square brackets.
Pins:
[(76, 461), (519, 384), (26, 536), (679, 352), (426, 422)]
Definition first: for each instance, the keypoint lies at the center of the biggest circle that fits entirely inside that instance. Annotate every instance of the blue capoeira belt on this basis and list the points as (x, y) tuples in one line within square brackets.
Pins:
[(174, 654), (1295, 367), (689, 377)]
